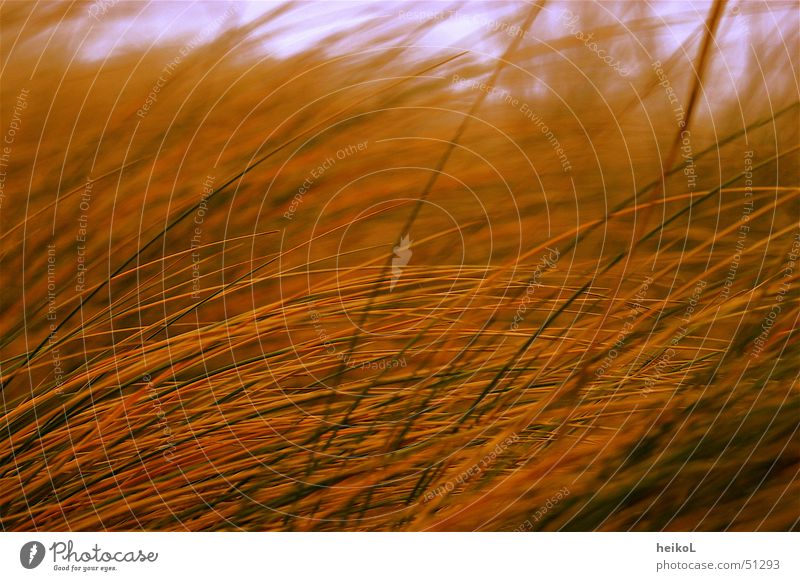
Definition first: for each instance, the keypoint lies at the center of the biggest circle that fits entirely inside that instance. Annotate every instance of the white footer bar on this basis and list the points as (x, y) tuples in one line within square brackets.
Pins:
[(399, 556)]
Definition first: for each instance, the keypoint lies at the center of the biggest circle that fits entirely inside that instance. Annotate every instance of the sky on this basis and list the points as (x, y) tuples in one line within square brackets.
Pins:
[(120, 26)]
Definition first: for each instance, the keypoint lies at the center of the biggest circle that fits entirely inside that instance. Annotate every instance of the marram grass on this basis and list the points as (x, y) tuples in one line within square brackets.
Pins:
[(396, 280)]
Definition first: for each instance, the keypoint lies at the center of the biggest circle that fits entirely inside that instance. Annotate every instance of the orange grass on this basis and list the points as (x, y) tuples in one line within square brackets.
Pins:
[(232, 356)]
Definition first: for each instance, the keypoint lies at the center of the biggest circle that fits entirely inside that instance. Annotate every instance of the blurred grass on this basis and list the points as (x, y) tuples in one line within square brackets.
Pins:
[(285, 387)]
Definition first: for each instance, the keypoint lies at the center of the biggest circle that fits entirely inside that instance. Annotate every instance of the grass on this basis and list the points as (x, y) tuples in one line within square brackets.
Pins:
[(210, 341)]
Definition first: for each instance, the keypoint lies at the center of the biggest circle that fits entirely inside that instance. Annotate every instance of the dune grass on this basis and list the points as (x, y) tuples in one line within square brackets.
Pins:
[(211, 321)]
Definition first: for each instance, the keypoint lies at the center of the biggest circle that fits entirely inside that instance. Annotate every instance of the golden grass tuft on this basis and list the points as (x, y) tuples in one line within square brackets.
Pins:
[(199, 329)]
